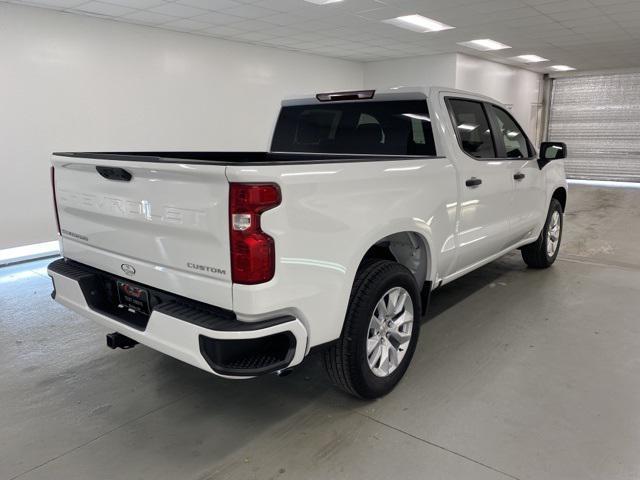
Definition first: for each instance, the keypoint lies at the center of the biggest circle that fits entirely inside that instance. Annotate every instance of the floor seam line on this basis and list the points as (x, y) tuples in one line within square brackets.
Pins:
[(43, 275), (439, 446), (88, 442), (586, 261)]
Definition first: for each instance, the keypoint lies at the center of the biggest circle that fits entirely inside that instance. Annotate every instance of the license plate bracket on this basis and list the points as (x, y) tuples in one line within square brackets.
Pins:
[(133, 298)]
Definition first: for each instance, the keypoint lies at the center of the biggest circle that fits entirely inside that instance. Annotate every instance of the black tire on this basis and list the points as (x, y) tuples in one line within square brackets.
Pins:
[(346, 360), (535, 255)]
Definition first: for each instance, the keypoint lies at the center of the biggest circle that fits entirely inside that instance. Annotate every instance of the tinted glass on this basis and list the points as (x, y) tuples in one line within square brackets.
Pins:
[(472, 128), (384, 128), (510, 134)]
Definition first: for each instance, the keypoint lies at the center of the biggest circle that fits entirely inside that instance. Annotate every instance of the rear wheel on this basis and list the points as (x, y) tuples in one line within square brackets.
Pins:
[(543, 252), (380, 331)]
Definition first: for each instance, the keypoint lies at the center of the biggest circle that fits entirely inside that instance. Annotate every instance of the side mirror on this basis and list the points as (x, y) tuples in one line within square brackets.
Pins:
[(552, 151)]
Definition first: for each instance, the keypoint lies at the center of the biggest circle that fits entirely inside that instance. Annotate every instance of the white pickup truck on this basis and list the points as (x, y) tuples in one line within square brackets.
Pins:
[(240, 263)]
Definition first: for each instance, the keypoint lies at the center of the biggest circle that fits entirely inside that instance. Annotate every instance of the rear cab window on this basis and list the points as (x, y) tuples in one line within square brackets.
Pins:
[(398, 127)]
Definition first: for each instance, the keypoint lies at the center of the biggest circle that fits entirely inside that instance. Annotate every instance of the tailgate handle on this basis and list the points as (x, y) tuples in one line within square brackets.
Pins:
[(114, 173)]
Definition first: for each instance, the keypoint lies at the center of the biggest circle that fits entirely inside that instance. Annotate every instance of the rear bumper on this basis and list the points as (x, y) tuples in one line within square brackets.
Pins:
[(200, 335)]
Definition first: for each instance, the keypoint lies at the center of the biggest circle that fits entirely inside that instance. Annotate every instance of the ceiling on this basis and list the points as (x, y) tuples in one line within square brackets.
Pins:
[(585, 34)]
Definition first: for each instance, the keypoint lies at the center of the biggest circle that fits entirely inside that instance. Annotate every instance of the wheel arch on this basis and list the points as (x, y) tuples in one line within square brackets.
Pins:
[(560, 194), (408, 248)]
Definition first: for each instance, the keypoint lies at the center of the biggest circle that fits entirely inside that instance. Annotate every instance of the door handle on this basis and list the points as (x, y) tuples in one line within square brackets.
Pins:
[(518, 176), (114, 173), (473, 182)]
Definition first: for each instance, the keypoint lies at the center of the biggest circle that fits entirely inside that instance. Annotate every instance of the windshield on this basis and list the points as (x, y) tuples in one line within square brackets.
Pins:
[(382, 128)]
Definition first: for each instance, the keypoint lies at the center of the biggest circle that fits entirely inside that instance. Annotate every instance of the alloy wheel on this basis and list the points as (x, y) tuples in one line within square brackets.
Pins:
[(389, 331)]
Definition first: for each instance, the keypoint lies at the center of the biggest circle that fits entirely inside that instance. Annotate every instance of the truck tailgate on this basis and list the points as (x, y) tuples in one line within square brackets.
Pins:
[(166, 226)]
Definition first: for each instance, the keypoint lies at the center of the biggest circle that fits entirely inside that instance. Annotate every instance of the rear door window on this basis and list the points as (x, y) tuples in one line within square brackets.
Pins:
[(366, 127), (472, 128)]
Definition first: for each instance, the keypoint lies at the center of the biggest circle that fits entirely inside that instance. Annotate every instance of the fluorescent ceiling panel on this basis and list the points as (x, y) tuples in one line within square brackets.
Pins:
[(418, 23), (561, 68), (322, 2), (529, 58), (484, 44)]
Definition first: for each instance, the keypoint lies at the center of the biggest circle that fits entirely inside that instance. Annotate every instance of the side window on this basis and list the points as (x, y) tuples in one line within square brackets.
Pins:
[(472, 126), (510, 134)]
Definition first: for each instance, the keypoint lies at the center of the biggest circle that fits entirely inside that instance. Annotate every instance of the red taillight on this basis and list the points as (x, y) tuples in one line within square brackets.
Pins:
[(55, 202), (253, 256)]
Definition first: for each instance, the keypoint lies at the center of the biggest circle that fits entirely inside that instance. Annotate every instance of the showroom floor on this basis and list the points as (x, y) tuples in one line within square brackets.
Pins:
[(518, 374)]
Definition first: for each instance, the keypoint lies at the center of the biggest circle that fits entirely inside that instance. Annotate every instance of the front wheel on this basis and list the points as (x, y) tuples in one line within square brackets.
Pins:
[(543, 252), (380, 331)]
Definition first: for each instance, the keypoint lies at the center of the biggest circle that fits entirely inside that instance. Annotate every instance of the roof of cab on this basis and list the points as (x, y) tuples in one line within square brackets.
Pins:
[(399, 92)]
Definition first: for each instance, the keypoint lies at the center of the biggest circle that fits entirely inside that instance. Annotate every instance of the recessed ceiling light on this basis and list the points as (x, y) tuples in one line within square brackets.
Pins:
[(322, 2), (484, 44), (561, 68), (531, 58), (418, 23)]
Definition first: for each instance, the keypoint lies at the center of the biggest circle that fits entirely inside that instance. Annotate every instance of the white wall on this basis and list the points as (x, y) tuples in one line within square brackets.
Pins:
[(427, 71), (77, 83), (518, 88)]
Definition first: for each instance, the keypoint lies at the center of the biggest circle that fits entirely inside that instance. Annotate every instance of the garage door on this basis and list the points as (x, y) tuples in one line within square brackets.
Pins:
[(599, 119)]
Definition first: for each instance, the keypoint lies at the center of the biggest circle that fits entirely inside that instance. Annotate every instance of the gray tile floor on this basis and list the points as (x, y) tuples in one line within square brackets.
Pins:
[(518, 374)]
